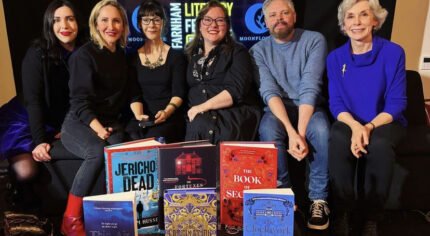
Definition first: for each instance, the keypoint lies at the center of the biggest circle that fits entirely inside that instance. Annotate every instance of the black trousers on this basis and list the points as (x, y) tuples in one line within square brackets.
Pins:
[(362, 182), (82, 141)]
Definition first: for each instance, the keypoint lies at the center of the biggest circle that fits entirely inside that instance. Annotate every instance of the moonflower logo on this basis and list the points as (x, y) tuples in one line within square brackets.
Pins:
[(134, 19), (254, 19)]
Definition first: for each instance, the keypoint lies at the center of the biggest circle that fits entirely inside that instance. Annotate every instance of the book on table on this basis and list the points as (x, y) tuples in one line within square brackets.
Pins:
[(190, 165), (133, 166), (190, 211), (268, 212), (244, 165), (111, 214)]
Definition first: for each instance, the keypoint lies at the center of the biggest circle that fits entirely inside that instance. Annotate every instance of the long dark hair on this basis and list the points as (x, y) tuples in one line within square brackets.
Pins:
[(48, 42), (151, 8), (227, 43)]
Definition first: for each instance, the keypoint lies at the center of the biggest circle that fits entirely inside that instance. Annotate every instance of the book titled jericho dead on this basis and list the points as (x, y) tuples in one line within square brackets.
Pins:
[(133, 166), (190, 212), (244, 165)]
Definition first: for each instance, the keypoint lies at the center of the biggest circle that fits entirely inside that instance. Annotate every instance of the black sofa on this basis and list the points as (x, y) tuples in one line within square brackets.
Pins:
[(411, 174), (56, 178), (409, 189)]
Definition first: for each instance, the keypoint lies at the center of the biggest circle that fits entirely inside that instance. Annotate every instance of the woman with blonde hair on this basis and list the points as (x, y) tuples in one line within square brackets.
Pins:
[(98, 90), (367, 90)]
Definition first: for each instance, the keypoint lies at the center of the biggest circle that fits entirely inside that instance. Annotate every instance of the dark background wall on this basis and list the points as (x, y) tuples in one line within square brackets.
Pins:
[(24, 23)]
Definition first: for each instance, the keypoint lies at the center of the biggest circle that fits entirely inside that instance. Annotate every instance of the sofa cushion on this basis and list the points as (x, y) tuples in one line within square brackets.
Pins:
[(416, 142)]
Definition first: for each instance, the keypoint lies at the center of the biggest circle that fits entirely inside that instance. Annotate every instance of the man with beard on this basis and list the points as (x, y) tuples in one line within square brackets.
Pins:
[(291, 63)]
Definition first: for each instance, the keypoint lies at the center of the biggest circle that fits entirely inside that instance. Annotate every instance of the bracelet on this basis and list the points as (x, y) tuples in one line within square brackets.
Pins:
[(373, 125), (173, 105)]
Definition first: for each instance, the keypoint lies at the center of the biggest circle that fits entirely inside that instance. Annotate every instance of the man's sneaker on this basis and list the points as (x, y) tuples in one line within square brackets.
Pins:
[(319, 213)]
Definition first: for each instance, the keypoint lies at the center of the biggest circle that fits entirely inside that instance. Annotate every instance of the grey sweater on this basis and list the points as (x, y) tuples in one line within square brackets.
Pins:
[(293, 70)]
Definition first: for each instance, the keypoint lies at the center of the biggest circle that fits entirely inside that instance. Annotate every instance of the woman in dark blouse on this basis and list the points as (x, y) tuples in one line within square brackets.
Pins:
[(160, 72), (31, 134), (222, 94), (98, 91)]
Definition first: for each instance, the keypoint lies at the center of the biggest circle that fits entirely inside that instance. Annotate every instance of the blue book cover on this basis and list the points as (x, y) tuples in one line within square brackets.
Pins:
[(268, 212), (110, 214), (190, 211), (135, 168)]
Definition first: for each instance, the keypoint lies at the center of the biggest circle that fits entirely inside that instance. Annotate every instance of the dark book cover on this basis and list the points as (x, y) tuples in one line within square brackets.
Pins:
[(190, 212), (186, 167), (268, 212)]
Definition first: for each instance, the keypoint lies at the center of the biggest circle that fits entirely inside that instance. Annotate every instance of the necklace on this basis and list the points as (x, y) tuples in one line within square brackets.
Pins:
[(155, 64)]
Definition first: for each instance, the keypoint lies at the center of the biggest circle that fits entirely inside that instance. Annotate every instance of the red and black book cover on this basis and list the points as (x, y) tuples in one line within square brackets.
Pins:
[(244, 165), (186, 167)]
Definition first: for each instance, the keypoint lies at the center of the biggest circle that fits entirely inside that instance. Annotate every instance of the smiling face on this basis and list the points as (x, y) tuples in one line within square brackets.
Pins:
[(110, 25), (213, 26), (151, 26), (280, 19), (65, 27), (359, 22)]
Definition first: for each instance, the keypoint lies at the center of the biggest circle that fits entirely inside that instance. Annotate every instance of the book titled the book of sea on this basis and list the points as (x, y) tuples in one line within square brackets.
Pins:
[(133, 166), (268, 212), (190, 212), (110, 214), (244, 165)]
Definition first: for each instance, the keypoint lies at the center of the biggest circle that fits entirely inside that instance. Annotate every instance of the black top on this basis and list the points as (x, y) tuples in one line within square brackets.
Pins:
[(46, 92), (232, 71), (98, 83), (159, 85)]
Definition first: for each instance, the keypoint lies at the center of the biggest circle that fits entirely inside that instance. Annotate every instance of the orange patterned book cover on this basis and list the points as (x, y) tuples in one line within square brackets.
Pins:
[(244, 165)]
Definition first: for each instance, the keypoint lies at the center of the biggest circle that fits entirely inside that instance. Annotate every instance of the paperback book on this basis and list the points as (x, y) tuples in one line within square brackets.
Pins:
[(110, 214)]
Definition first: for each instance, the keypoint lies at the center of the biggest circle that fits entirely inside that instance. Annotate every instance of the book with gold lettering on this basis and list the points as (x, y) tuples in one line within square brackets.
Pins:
[(190, 211), (244, 165)]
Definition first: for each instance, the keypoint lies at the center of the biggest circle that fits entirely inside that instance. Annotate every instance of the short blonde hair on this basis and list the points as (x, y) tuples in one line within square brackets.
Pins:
[(95, 34), (378, 11), (266, 3)]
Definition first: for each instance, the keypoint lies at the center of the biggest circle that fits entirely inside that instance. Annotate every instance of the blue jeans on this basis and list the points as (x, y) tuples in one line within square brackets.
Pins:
[(82, 141), (317, 135)]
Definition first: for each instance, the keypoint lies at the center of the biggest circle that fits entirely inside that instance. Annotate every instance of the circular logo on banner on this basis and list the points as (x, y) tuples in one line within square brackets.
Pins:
[(254, 19), (134, 19)]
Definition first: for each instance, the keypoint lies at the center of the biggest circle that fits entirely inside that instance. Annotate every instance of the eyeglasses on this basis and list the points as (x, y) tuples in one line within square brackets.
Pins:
[(220, 21), (147, 21)]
